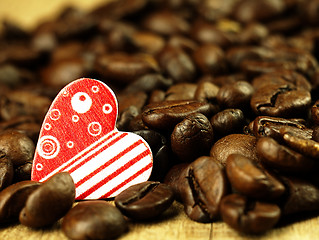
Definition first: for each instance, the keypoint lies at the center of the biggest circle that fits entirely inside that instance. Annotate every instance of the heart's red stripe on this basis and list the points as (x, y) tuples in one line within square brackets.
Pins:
[(75, 159), (115, 173), (109, 162), (148, 166), (115, 140)]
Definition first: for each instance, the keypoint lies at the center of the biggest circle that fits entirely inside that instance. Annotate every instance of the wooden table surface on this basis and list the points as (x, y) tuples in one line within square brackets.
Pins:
[(174, 224)]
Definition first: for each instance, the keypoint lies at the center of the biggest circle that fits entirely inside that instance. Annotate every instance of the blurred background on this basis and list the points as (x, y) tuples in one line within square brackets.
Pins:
[(28, 13)]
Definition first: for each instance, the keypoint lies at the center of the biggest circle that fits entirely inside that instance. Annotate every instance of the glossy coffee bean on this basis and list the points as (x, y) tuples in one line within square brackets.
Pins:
[(302, 196), (251, 179), (235, 95), (13, 199), (234, 144), (17, 147), (203, 189), (166, 114), (228, 121), (280, 100), (266, 126), (206, 92), (94, 220), (146, 200), (283, 158), (315, 113), (6, 172), (193, 137), (249, 216), (51, 201), (181, 91)]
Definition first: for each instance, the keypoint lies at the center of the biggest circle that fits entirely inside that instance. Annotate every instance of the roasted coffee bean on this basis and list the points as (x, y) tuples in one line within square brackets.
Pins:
[(61, 73), (283, 158), (6, 172), (182, 42), (234, 144), (302, 196), (16, 147), (193, 137), (181, 91), (22, 172), (166, 23), (210, 59), (94, 220), (166, 114), (148, 83), (202, 190), (147, 42), (145, 200), (282, 77), (235, 95), (249, 216), (228, 121), (127, 100), (315, 134), (177, 64), (265, 126), (126, 117), (124, 68), (48, 203), (249, 10), (13, 199), (280, 100), (251, 179), (206, 92), (253, 33), (315, 112), (206, 32), (23, 103), (307, 147)]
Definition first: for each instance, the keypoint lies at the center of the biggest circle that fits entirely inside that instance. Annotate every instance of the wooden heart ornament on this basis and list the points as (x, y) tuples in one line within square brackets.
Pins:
[(79, 136)]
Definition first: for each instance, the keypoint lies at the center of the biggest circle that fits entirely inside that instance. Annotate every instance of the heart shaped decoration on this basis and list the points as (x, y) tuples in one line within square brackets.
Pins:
[(79, 136)]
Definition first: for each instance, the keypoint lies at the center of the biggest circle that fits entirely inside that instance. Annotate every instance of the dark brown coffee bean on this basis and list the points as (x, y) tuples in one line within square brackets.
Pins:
[(165, 23), (307, 147), (214, 9), (251, 179), (234, 144), (177, 64), (157, 96), (193, 137), (315, 134), (228, 121), (148, 83), (302, 196), (16, 147), (126, 100), (146, 200), (126, 117), (282, 77), (94, 220), (61, 73), (182, 42), (210, 59), (206, 92), (147, 42), (280, 100), (23, 103), (124, 68), (181, 91), (51, 201), (166, 114), (283, 158), (235, 95), (249, 216), (202, 190), (6, 172), (176, 177), (206, 32), (315, 112), (13, 199), (253, 33), (265, 126), (250, 10)]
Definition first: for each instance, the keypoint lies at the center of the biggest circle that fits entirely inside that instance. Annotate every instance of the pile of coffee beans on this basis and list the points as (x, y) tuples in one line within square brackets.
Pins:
[(226, 93)]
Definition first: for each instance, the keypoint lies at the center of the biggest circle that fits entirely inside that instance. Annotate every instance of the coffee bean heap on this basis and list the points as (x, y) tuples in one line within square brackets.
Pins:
[(225, 93)]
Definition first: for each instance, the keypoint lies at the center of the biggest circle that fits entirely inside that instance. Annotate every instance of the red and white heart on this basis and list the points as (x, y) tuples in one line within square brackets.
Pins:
[(79, 136)]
